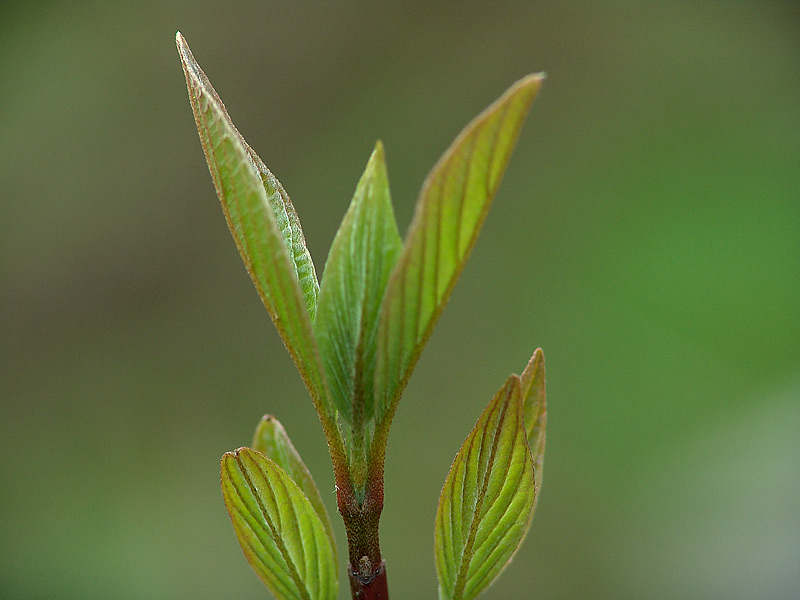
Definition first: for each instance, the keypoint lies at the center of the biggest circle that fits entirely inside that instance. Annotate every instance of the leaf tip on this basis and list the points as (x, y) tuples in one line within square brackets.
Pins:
[(531, 83), (183, 47), (267, 420), (376, 165), (378, 156), (536, 363), (533, 79), (234, 455), (226, 465), (269, 428), (190, 66)]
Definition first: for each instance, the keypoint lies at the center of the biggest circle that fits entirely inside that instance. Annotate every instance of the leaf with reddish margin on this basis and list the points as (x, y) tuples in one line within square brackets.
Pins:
[(535, 403), (487, 500), (451, 209), (265, 228)]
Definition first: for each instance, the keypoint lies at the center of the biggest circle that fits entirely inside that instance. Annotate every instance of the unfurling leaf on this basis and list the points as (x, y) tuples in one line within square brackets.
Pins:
[(264, 226), (279, 530), (534, 401), (449, 214), (487, 500), (361, 258), (273, 442)]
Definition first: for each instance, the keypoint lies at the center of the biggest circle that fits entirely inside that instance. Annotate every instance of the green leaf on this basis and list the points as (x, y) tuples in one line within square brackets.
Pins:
[(487, 500), (449, 213), (264, 226), (361, 258), (273, 442), (533, 398), (289, 225), (281, 534)]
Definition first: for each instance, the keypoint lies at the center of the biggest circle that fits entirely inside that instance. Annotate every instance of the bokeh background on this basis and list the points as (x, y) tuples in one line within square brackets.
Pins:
[(647, 236)]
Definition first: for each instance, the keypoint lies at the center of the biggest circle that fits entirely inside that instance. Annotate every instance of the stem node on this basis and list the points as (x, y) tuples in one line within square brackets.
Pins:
[(371, 587)]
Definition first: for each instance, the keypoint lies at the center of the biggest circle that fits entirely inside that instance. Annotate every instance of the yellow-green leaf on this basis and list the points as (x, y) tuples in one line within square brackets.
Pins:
[(281, 534), (273, 442), (534, 401), (361, 258), (487, 500), (450, 211), (264, 226)]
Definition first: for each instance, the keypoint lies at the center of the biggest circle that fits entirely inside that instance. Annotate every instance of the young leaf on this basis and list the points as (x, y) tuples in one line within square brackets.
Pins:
[(450, 211), (281, 534), (263, 223), (361, 258), (533, 397), (289, 225), (273, 442), (487, 500)]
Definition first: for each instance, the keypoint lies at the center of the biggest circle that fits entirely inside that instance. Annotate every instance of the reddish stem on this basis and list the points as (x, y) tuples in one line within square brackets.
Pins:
[(372, 587), (366, 568)]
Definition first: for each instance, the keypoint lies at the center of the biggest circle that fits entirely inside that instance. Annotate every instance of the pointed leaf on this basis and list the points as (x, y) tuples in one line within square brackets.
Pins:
[(361, 258), (273, 442), (487, 500), (449, 213), (264, 226), (289, 225), (281, 534), (533, 398), (283, 210)]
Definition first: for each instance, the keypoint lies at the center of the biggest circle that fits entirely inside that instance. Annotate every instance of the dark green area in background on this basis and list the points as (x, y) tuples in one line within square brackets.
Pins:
[(647, 236)]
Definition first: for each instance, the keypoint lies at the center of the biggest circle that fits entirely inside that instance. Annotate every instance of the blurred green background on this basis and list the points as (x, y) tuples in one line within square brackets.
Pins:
[(647, 236)]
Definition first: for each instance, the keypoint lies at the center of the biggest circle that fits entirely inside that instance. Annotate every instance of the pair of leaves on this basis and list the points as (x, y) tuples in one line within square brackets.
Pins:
[(485, 508), (279, 518), (379, 299), (489, 496)]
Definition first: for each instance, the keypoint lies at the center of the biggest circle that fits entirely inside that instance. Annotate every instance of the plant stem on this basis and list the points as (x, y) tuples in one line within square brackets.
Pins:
[(361, 514), (371, 588)]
